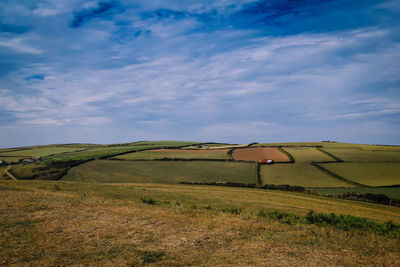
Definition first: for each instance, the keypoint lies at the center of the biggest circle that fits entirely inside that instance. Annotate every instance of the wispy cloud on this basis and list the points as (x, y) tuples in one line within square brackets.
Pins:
[(231, 70)]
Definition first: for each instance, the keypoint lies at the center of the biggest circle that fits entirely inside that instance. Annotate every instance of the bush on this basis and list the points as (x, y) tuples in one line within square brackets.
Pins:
[(348, 222), (149, 201)]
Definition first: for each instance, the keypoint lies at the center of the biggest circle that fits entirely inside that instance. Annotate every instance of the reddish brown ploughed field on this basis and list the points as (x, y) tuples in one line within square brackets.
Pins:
[(259, 153)]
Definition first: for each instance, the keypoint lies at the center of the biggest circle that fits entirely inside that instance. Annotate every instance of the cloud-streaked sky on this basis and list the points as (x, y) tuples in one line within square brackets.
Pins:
[(225, 70)]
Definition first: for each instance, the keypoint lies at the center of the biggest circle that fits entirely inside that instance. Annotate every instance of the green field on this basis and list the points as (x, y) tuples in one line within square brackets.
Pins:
[(166, 143), (39, 152), (307, 154), (169, 172), (331, 145), (302, 174), (174, 154), (97, 153), (367, 173), (363, 155), (2, 173), (392, 192)]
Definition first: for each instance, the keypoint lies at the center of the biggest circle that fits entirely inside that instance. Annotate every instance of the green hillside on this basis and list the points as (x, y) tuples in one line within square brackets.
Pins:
[(116, 171)]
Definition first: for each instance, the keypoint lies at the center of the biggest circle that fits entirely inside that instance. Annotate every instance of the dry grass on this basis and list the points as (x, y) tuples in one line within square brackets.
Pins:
[(41, 227)]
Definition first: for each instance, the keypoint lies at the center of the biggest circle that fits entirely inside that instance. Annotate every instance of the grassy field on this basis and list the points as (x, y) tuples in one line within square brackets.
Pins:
[(166, 143), (98, 152), (307, 154), (39, 152), (176, 153), (302, 174), (367, 173), (363, 155), (2, 173), (331, 145), (392, 192), (216, 146), (46, 223), (162, 171)]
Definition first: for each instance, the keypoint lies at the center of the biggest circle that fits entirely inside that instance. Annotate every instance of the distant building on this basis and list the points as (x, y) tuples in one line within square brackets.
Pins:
[(266, 161)]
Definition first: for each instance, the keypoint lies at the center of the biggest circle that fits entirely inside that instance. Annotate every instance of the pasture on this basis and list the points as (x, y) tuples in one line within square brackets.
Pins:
[(176, 154), (39, 152), (367, 173), (307, 154), (169, 172), (365, 155), (301, 173), (259, 153)]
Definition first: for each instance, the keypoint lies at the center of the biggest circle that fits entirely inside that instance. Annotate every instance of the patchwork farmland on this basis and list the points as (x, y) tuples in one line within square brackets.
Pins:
[(137, 197)]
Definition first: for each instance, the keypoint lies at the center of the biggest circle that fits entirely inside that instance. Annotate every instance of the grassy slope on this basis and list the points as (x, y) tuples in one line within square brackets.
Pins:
[(166, 143), (162, 171), (11, 159), (368, 173), (301, 172), (89, 224), (364, 155), (2, 172), (249, 200), (182, 155), (39, 152), (99, 152)]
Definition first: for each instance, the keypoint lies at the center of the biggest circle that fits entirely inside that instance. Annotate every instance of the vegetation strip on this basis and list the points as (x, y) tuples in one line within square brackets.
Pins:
[(283, 187), (258, 175), (292, 160), (330, 155), (342, 222), (336, 175)]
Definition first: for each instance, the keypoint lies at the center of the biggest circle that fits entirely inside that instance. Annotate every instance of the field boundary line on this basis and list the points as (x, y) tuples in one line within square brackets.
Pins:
[(258, 175), (290, 156), (337, 159), (337, 176)]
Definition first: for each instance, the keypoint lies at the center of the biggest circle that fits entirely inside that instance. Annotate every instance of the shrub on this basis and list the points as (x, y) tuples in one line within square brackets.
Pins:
[(149, 201)]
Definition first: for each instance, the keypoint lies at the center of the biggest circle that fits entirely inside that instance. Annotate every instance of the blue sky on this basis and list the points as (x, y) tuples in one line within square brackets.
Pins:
[(229, 71)]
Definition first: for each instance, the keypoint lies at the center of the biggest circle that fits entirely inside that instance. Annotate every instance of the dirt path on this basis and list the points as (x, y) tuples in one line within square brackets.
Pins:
[(9, 174)]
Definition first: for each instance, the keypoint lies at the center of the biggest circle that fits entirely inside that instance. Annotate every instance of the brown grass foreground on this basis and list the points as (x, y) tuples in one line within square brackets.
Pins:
[(41, 227)]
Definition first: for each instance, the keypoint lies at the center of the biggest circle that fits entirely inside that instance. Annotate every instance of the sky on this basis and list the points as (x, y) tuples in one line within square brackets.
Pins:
[(236, 71)]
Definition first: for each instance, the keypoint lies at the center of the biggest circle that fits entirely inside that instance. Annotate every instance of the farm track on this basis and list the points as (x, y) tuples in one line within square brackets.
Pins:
[(10, 175)]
